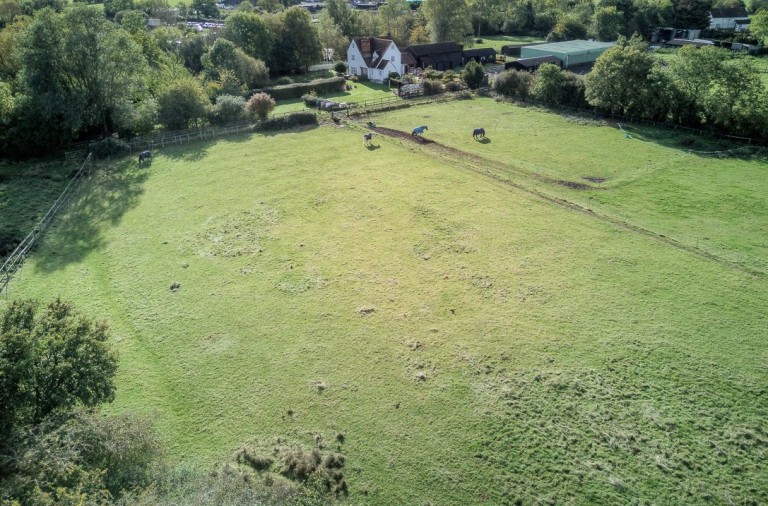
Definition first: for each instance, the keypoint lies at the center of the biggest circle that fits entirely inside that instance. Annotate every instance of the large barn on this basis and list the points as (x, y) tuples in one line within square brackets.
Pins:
[(572, 53)]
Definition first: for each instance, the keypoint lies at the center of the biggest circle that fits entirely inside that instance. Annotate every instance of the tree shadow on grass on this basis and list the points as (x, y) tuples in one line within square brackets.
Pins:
[(101, 201)]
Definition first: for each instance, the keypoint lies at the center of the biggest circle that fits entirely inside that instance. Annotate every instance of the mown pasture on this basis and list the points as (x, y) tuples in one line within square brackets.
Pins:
[(445, 315)]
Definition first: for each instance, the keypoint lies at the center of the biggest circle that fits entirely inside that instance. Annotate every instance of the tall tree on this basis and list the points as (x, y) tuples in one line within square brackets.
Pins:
[(759, 25), (447, 19), (331, 37), (298, 45), (348, 20), (250, 33), (50, 361), (692, 13), (623, 81)]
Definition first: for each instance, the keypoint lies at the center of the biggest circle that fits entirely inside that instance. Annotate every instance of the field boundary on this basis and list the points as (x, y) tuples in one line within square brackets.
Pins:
[(15, 260)]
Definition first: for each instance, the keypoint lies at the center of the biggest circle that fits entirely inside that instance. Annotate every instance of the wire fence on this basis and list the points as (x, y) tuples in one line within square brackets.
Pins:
[(163, 139), (15, 260)]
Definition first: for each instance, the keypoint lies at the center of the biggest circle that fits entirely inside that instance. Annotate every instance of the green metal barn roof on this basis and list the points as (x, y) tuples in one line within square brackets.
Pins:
[(574, 46)]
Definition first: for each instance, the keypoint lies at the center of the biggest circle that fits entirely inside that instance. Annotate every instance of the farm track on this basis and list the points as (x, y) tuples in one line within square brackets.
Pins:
[(473, 162)]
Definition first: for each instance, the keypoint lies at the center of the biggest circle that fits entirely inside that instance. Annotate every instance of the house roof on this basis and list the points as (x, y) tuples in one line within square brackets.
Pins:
[(434, 49), (376, 45), (382, 64), (731, 12), (407, 58), (483, 51)]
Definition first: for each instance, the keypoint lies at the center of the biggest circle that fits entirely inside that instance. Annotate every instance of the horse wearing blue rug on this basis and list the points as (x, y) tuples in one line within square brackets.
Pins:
[(418, 130)]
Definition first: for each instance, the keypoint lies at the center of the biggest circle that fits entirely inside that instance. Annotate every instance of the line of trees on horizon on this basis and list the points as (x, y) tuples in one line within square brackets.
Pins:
[(76, 72), (708, 88)]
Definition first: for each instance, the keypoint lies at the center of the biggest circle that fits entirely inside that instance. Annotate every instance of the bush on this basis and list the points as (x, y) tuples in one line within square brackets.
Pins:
[(514, 84), (310, 99), (228, 108), (284, 80), (289, 121), (182, 104), (319, 86), (454, 86), (340, 67), (433, 87), (473, 74), (260, 105), (109, 147)]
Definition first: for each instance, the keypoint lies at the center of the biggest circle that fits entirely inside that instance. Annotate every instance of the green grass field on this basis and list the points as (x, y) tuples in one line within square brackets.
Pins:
[(450, 308), (360, 92)]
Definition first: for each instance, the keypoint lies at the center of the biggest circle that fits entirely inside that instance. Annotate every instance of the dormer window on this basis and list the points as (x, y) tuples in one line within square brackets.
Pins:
[(375, 56)]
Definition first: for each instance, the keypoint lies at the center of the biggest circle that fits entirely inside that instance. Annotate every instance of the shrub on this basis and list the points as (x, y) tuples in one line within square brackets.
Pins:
[(228, 108), (252, 73), (473, 74), (284, 80), (182, 104), (310, 99), (433, 87), (260, 105), (319, 86), (454, 86), (340, 67), (289, 121), (394, 75), (514, 84), (110, 146)]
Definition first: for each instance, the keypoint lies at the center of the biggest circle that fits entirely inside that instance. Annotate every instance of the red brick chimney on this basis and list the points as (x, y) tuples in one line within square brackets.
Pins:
[(365, 46)]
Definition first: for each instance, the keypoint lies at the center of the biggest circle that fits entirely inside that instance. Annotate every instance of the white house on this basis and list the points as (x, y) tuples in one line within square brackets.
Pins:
[(374, 58), (733, 18)]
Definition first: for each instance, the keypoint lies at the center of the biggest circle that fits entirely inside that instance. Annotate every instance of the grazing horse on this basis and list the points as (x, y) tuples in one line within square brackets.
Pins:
[(418, 130), (145, 155), (367, 138), (478, 133)]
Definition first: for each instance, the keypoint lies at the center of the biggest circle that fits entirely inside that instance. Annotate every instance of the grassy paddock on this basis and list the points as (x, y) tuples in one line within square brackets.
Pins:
[(669, 182), (361, 91), (472, 342)]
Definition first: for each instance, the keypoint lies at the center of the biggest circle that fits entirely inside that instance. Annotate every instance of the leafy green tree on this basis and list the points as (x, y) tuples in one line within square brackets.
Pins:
[(249, 32), (206, 9), (112, 7), (623, 81), (556, 86), (133, 22), (608, 23), (391, 13), (473, 74), (331, 37), (228, 108), (222, 55), (6, 102), (518, 17), (182, 104), (759, 25), (514, 84), (568, 28), (297, 43), (488, 12), (50, 361), (649, 15), (251, 72), (87, 458), (447, 19), (343, 16), (692, 13)]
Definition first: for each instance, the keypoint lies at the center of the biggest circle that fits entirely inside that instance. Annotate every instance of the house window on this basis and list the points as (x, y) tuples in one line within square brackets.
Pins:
[(352, 57)]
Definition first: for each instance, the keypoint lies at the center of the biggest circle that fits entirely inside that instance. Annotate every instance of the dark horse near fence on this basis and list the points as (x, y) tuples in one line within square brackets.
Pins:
[(418, 130), (478, 133), (145, 156)]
